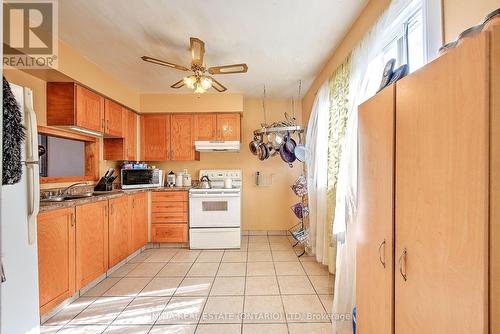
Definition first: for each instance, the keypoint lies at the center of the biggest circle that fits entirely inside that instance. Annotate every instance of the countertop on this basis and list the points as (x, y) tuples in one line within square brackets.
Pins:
[(49, 206)]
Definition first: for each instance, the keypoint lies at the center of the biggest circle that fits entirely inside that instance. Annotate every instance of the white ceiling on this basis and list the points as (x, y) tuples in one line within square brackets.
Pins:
[(282, 41)]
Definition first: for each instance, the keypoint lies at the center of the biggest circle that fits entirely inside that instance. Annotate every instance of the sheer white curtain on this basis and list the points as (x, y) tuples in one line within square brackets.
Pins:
[(317, 174), (367, 66)]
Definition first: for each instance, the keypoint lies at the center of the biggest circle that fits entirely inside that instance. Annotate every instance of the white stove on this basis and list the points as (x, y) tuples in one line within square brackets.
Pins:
[(215, 214)]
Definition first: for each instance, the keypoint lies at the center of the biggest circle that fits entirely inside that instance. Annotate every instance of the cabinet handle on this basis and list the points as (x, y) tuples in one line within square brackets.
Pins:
[(106, 211), (111, 209), (103, 126), (133, 203), (382, 261), (73, 220), (400, 262)]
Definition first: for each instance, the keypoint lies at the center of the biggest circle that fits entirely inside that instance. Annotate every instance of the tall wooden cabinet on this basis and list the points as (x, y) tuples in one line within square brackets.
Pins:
[(375, 261), (56, 257), (91, 242), (429, 162)]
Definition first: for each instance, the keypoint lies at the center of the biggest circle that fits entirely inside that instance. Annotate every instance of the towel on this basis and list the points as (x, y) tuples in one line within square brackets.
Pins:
[(13, 137)]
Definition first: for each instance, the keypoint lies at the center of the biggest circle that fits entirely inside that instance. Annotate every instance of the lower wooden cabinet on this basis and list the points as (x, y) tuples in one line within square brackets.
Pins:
[(169, 216), (169, 232), (119, 229), (138, 221), (56, 257), (91, 242)]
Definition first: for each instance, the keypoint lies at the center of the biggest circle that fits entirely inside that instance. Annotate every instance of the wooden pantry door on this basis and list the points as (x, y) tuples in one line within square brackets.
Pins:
[(442, 194), (375, 237)]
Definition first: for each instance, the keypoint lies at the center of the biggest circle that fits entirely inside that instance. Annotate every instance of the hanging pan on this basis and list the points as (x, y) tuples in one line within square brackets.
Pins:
[(300, 150)]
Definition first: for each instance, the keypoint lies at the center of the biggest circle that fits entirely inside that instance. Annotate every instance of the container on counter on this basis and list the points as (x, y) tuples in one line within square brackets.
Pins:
[(179, 178), (171, 179), (186, 180)]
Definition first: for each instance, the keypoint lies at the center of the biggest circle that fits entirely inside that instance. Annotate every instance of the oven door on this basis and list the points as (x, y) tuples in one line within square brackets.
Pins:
[(214, 210)]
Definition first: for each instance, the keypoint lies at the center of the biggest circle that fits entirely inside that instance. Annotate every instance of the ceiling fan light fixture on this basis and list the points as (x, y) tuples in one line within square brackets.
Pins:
[(205, 82), (190, 81), (199, 89)]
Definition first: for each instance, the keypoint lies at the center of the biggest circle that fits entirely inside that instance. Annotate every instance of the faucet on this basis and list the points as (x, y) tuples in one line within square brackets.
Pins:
[(65, 190)]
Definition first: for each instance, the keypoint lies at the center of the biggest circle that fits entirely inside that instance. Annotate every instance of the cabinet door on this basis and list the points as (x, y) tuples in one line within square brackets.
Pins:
[(131, 135), (119, 229), (205, 126), (155, 137), (89, 109), (442, 194), (374, 250), (91, 242), (182, 137), (228, 126), (139, 214), (113, 113), (56, 257)]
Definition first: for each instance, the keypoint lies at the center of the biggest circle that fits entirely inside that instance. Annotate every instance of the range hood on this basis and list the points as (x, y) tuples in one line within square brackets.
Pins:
[(216, 146)]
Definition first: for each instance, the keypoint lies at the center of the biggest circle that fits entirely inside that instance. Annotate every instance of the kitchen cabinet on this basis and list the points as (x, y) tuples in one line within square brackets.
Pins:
[(169, 216), (205, 126), (374, 251), (139, 220), (217, 126), (113, 119), (443, 170), (123, 148), (182, 137), (91, 242), (56, 257), (71, 105), (119, 230), (155, 137), (228, 126)]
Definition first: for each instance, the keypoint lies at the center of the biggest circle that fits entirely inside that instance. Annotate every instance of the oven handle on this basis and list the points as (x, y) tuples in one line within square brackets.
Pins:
[(218, 195)]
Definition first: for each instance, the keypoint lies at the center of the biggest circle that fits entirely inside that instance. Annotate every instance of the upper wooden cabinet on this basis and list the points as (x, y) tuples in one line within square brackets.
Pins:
[(215, 126), (182, 137), (113, 119), (205, 126), (69, 104), (155, 137), (228, 126), (56, 257), (91, 242), (124, 148)]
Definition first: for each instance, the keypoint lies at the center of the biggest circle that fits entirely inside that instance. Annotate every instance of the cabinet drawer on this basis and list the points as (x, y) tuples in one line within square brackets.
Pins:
[(170, 196), (169, 217), (169, 233), (169, 207)]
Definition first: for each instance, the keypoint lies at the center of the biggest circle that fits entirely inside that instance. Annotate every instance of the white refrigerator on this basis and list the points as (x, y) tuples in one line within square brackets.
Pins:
[(19, 311)]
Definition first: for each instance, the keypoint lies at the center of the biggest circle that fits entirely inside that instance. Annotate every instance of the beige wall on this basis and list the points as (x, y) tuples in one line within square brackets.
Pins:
[(264, 208), (462, 14), (458, 15), (208, 102)]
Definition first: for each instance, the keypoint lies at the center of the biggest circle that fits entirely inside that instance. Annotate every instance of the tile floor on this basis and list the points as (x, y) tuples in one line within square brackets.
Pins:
[(263, 288)]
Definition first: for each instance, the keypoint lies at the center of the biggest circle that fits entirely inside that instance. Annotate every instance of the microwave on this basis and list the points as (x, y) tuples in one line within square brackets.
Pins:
[(141, 178)]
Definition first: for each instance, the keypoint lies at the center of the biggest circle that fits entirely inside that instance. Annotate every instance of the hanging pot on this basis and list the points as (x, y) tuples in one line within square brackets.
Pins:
[(276, 139), (300, 150), (287, 156), (289, 144), (254, 144), (262, 152)]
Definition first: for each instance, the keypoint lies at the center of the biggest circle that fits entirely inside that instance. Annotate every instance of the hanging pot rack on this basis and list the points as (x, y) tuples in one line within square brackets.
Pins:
[(275, 129)]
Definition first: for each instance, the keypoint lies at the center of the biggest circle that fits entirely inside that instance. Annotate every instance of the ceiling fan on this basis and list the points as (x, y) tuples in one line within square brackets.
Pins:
[(199, 80)]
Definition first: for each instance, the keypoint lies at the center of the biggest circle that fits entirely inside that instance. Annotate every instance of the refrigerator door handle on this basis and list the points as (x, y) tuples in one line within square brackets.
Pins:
[(32, 168)]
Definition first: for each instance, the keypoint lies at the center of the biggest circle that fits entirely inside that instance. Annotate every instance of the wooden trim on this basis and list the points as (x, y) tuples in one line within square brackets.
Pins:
[(91, 156), (55, 132)]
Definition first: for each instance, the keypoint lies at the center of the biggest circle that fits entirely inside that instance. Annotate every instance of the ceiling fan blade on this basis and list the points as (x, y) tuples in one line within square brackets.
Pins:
[(164, 63), (178, 84), (218, 86), (197, 50), (228, 69)]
